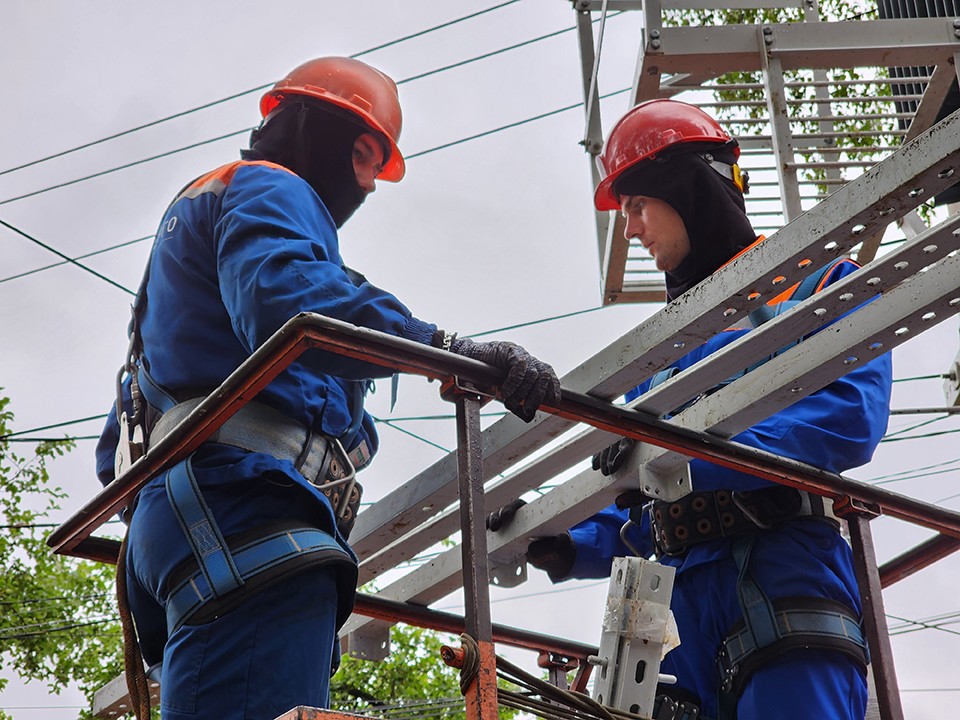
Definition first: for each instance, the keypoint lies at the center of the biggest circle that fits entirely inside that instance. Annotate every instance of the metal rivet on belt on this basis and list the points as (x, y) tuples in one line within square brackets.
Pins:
[(704, 526), (681, 532), (727, 519), (676, 510), (699, 504), (722, 497)]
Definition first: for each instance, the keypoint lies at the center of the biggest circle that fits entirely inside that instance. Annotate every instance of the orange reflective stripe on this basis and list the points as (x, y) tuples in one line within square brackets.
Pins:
[(216, 180)]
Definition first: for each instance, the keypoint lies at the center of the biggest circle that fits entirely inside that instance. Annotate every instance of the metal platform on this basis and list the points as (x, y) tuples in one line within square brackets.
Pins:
[(892, 299)]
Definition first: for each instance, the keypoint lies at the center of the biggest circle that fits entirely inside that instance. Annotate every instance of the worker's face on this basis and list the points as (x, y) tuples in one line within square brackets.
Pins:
[(659, 229), (367, 161)]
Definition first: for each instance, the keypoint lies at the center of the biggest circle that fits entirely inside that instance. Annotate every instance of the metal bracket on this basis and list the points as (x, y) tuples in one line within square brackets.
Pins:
[(371, 641), (846, 507), (666, 477), (508, 574), (635, 632), (453, 388)]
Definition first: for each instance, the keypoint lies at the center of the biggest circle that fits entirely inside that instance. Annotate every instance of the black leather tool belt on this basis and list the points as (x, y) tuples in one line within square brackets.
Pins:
[(703, 516)]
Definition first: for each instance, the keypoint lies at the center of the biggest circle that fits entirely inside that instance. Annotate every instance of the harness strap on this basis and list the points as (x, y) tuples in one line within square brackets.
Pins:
[(770, 629), (758, 616), (251, 559), (200, 528)]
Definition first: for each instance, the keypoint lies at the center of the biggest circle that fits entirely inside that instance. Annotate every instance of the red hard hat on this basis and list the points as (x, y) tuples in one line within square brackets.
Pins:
[(644, 132), (354, 86)]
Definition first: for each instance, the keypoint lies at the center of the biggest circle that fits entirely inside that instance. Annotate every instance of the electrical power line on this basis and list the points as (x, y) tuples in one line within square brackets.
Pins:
[(65, 257), (258, 88), (444, 146), (78, 257), (125, 166), (55, 425), (192, 146)]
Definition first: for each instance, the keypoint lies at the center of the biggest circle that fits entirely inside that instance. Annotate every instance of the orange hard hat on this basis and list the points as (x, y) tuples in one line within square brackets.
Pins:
[(645, 131), (353, 86)]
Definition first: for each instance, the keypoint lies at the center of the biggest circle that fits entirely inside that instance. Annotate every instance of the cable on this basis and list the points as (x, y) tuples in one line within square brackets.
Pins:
[(509, 126), (68, 259), (246, 130), (388, 423), (125, 166), (78, 257), (56, 598), (921, 377), (171, 152), (914, 427), (921, 437), (55, 425), (250, 91), (534, 322)]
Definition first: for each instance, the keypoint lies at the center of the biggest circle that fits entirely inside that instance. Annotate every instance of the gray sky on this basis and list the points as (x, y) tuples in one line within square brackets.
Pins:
[(480, 235)]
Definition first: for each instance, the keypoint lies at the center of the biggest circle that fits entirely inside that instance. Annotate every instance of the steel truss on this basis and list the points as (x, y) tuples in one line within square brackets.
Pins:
[(783, 137)]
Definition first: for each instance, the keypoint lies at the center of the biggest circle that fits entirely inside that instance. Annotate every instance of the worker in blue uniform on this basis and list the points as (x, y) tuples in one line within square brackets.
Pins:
[(238, 569), (745, 550)]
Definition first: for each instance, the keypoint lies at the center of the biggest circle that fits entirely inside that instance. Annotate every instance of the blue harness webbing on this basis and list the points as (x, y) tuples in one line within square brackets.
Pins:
[(767, 629), (250, 559), (220, 570)]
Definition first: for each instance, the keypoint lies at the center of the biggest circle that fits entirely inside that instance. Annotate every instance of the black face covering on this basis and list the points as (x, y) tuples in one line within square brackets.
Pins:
[(314, 140), (710, 205)]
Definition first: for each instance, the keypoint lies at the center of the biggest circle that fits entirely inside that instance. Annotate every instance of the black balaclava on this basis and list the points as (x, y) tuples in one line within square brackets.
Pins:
[(709, 204), (314, 140)]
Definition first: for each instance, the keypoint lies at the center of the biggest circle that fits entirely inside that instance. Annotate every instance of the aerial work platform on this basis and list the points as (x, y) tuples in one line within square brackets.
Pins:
[(892, 299)]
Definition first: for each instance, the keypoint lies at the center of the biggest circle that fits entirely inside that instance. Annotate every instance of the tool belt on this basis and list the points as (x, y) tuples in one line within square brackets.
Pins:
[(703, 516), (321, 459)]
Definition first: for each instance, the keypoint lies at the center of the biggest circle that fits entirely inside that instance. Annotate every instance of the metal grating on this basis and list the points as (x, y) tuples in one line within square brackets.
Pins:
[(811, 103)]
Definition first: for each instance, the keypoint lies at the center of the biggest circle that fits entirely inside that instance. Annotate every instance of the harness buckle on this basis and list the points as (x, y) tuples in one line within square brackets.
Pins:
[(129, 448), (337, 480)]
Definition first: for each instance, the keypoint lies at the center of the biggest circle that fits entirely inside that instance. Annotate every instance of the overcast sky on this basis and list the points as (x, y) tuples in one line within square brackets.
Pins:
[(483, 234)]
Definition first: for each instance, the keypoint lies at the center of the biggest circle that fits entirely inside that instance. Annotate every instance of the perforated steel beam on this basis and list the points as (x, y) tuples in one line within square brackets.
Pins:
[(897, 185)]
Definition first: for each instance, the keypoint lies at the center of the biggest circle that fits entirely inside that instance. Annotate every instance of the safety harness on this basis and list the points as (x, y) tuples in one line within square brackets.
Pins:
[(218, 568), (767, 628), (222, 571)]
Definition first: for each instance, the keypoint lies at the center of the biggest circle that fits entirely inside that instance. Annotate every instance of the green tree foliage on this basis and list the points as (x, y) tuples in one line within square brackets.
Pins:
[(412, 682), (57, 615), (857, 103), (411, 674)]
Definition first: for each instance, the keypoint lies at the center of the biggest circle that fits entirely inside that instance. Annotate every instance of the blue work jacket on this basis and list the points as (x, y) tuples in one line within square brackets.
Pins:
[(239, 252), (835, 428)]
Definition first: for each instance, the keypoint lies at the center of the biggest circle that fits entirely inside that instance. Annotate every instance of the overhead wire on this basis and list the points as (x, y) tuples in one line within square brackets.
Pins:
[(258, 88), (66, 257), (101, 251), (435, 71)]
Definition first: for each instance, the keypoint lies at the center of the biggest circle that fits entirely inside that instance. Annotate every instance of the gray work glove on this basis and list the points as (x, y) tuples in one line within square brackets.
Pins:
[(501, 517), (529, 382), (555, 555), (612, 457)]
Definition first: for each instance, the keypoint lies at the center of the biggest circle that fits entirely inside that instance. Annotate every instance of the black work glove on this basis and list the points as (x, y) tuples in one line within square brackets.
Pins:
[(612, 457), (528, 383), (501, 518), (555, 555)]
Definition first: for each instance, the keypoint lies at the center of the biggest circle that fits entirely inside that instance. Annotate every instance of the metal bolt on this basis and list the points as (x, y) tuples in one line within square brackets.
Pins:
[(767, 40), (596, 661), (767, 30), (956, 33), (956, 22), (655, 44), (654, 34)]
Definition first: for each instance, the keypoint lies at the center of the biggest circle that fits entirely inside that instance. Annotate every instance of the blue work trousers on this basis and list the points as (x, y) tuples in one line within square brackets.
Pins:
[(270, 653), (802, 559)]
